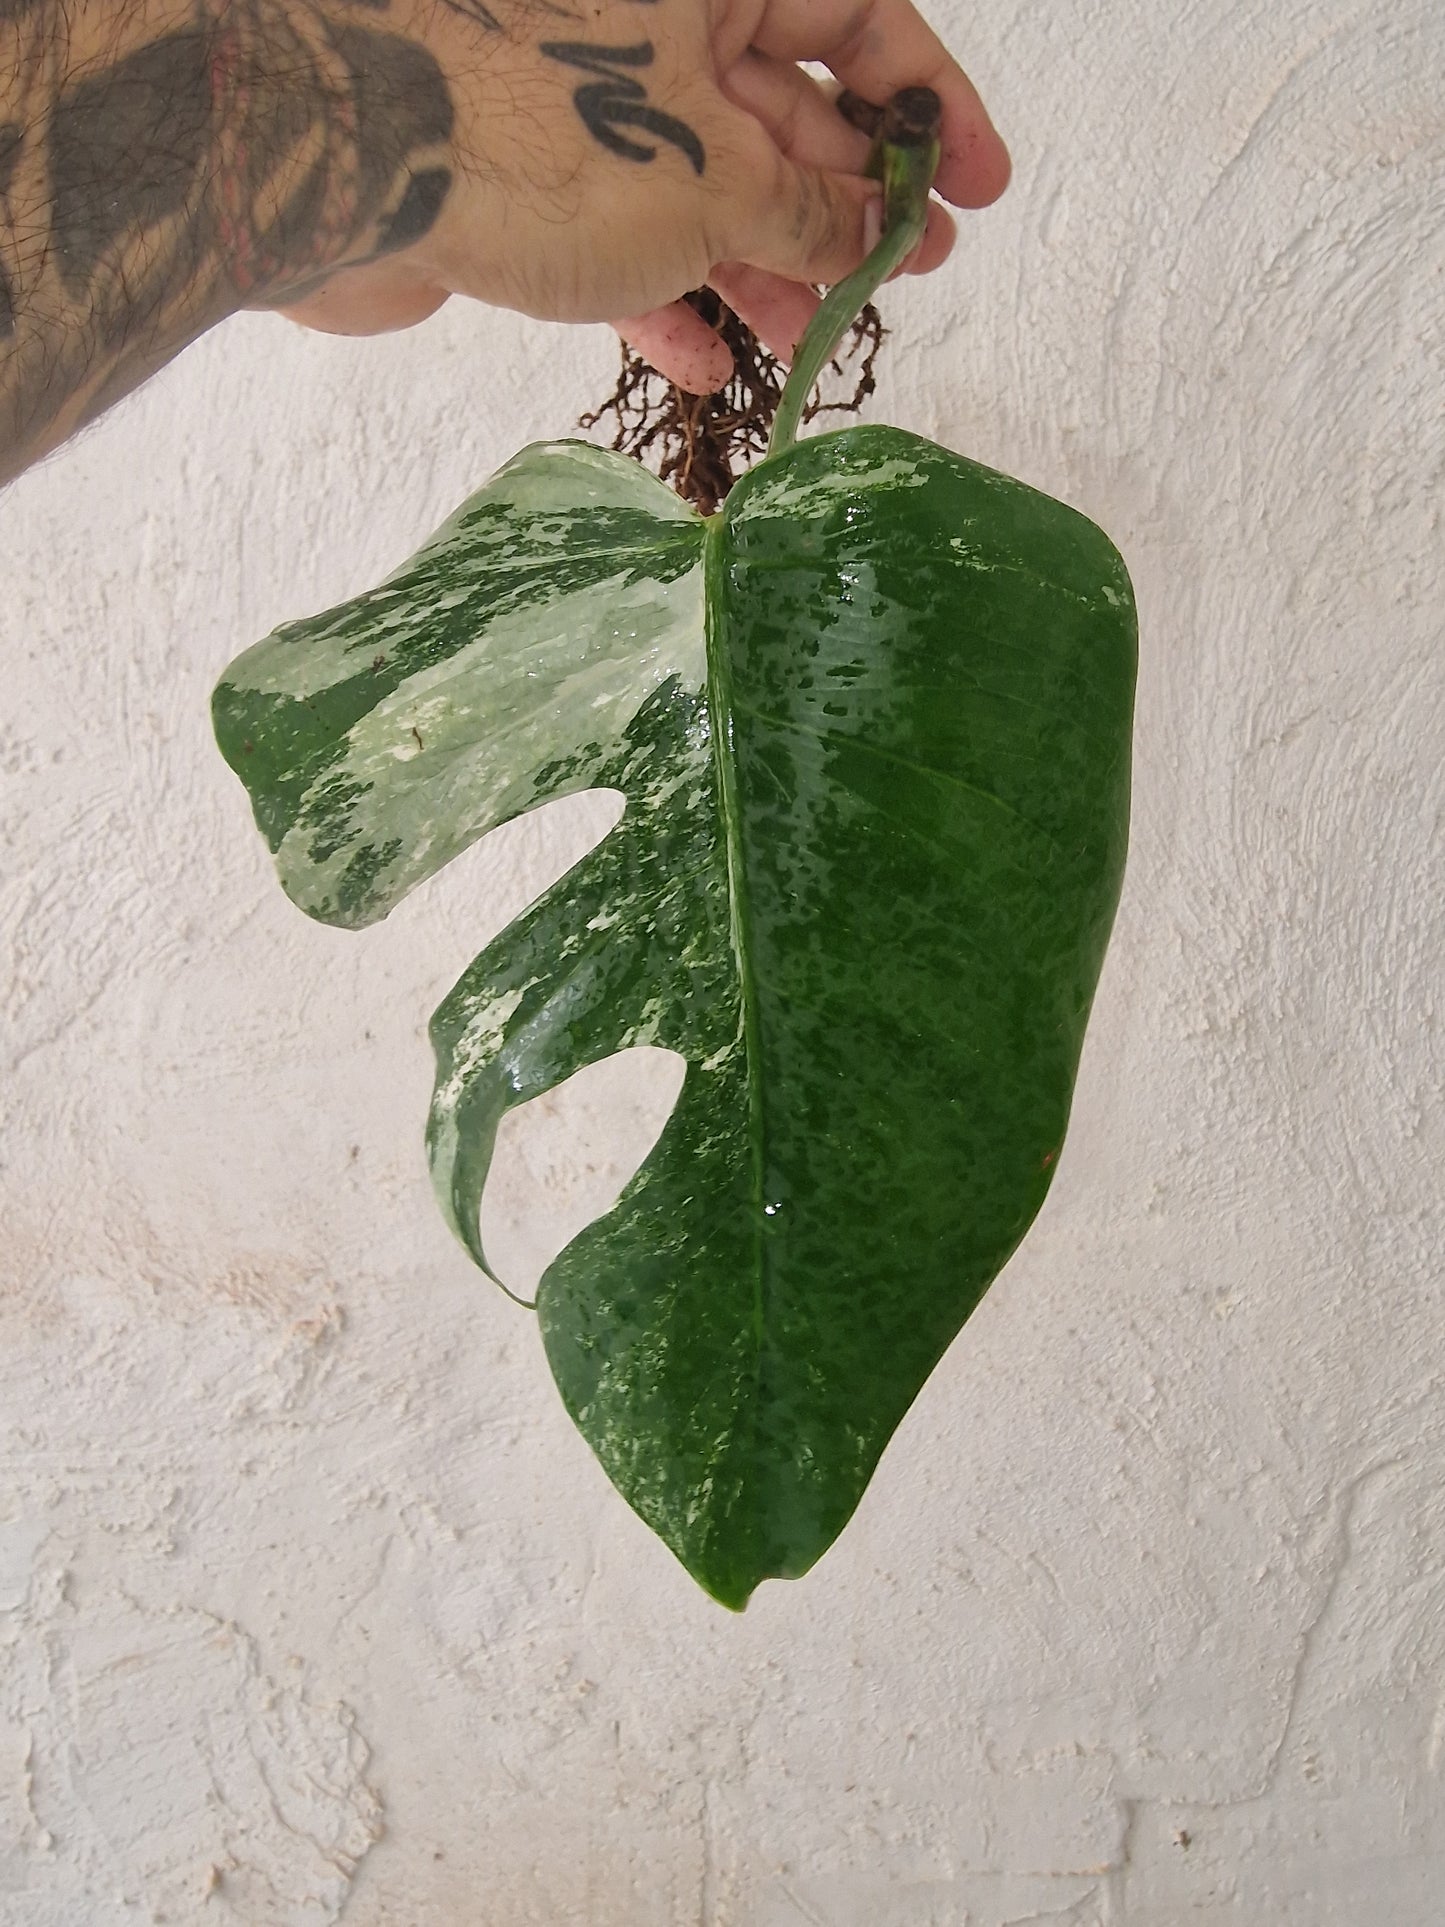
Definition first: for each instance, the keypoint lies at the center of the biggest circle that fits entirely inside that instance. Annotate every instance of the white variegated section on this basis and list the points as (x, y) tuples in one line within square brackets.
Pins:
[(546, 481), (453, 750), (550, 476), (770, 497), (683, 780), (486, 1028)]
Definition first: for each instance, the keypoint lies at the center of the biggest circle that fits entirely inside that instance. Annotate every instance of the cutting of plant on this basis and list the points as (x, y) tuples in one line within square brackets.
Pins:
[(871, 722)]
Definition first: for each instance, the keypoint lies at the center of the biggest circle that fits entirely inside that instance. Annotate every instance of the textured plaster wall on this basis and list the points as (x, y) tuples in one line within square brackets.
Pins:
[(312, 1606)]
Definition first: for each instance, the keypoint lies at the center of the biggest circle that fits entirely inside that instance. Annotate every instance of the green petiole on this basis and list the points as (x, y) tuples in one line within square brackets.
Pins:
[(905, 159)]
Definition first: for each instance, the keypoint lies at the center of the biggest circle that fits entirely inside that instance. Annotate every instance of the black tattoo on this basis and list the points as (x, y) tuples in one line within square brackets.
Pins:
[(616, 100), (10, 139), (417, 210), (234, 161), (105, 130)]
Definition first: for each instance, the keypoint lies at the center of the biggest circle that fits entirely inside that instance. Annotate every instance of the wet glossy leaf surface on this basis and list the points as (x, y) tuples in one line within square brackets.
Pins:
[(874, 838)]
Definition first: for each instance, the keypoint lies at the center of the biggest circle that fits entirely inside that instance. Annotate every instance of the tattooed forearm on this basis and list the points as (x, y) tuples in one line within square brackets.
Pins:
[(616, 100), (230, 157)]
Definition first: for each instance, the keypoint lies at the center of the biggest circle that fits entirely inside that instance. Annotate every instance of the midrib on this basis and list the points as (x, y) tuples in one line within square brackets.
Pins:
[(720, 716)]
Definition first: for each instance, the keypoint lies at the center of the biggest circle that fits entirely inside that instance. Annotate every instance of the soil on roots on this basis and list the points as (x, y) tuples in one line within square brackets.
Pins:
[(701, 444)]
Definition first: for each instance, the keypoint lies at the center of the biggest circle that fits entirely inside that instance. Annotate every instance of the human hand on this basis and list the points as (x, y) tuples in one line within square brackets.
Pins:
[(607, 157)]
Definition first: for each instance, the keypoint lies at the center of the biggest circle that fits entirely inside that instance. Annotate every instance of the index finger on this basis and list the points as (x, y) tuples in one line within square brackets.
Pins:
[(874, 47)]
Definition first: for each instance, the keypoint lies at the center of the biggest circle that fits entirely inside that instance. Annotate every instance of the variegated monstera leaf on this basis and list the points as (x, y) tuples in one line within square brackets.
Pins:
[(871, 722)]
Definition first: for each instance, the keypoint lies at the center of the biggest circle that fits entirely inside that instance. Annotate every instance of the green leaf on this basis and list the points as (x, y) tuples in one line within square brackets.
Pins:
[(872, 727)]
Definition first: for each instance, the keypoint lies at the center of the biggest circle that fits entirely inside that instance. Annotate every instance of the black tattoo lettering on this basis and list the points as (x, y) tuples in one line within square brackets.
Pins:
[(616, 100)]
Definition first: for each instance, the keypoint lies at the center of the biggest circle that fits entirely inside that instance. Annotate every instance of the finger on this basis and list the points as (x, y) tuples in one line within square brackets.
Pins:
[(803, 223), (797, 112), (877, 46), (776, 310), (679, 344), (933, 250)]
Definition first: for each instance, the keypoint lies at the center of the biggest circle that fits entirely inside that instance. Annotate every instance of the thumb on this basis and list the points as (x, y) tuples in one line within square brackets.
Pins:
[(804, 223)]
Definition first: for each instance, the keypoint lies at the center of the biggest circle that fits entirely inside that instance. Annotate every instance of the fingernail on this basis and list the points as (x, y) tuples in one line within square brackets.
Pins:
[(872, 222)]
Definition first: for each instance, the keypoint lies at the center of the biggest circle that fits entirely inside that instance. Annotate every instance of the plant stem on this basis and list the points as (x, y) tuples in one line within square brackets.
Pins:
[(905, 158)]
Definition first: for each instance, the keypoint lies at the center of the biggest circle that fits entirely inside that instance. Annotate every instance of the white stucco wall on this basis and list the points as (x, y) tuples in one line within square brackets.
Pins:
[(312, 1606)]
